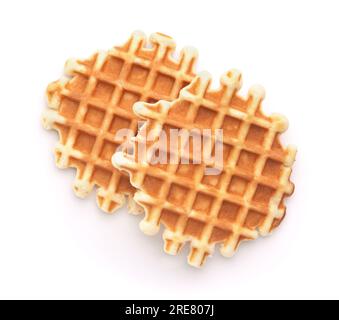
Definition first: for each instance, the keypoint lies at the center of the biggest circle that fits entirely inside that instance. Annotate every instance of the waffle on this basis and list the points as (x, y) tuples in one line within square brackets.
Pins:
[(243, 202), (90, 106)]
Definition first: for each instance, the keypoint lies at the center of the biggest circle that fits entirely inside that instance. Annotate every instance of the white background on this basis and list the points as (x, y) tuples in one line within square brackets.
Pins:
[(54, 245)]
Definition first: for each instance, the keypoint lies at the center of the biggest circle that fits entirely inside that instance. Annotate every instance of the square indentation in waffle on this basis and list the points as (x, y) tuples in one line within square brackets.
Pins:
[(238, 186), (163, 84), (112, 67), (256, 135), (170, 218), (177, 195), (205, 117), (203, 203), (247, 160), (194, 228), (153, 185), (124, 185), (263, 195), (138, 75), (84, 142), (108, 149), (96, 101), (231, 127), (69, 108), (78, 84), (101, 176), (94, 116), (272, 169), (254, 219), (244, 200), (103, 91), (219, 235), (229, 211)]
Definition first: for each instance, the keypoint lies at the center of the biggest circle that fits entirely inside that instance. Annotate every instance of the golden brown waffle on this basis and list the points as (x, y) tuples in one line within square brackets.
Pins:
[(90, 107), (244, 201)]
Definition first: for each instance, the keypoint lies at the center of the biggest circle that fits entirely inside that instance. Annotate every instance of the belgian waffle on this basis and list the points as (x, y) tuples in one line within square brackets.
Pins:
[(242, 202), (90, 106)]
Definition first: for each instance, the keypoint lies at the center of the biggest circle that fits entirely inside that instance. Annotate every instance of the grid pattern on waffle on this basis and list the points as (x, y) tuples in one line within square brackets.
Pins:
[(96, 102), (246, 200)]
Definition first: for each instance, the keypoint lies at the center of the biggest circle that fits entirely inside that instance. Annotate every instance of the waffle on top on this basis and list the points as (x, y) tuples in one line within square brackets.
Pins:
[(88, 108), (244, 201)]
